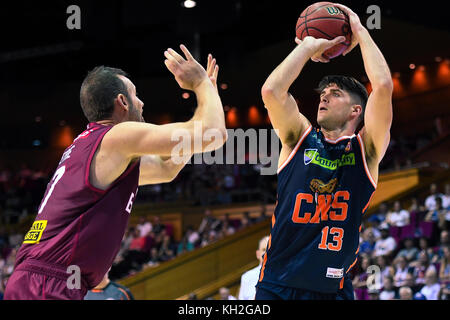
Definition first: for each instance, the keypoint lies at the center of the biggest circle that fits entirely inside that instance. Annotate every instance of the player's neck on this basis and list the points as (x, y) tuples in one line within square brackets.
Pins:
[(108, 122), (335, 134)]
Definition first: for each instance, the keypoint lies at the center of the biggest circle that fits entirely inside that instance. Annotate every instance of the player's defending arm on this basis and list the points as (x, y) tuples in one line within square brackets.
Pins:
[(160, 169), (282, 108), (378, 114)]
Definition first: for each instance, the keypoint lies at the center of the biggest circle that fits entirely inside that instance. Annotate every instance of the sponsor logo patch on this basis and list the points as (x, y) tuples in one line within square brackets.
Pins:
[(35, 232), (312, 156), (335, 273)]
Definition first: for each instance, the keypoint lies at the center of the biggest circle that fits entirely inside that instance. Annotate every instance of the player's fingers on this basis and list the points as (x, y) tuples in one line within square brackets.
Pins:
[(212, 65), (338, 40), (345, 9), (176, 55), (171, 66), (216, 72), (170, 57), (186, 52), (297, 40)]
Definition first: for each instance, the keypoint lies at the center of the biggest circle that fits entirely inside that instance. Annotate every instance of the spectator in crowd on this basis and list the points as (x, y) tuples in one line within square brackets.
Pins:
[(192, 236), (409, 251), (388, 292), (386, 245), (167, 248), (225, 294), (410, 282), (438, 215), (154, 258), (386, 269), (430, 201), (398, 217), (249, 279), (185, 245), (421, 267), (209, 222), (432, 287), (380, 216), (405, 293), (401, 271), (360, 279), (368, 243), (144, 226), (157, 226), (446, 197), (416, 206), (424, 246), (444, 269)]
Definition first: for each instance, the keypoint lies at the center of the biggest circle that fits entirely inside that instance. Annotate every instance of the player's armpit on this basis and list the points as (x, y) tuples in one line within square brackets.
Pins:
[(284, 116), (154, 169), (135, 139)]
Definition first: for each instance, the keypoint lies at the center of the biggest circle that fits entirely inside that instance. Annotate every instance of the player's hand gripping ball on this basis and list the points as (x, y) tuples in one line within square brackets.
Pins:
[(324, 20)]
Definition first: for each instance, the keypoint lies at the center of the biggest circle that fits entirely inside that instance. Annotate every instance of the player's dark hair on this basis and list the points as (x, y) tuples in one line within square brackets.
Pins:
[(355, 88), (98, 91)]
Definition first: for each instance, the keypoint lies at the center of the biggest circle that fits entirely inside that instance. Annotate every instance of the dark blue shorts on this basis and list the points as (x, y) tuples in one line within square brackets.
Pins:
[(274, 292)]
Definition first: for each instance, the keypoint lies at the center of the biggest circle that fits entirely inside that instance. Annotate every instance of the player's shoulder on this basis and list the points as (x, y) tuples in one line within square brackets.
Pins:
[(125, 292)]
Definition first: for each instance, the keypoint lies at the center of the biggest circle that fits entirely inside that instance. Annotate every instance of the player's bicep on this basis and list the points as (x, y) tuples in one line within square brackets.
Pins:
[(377, 123), (285, 117)]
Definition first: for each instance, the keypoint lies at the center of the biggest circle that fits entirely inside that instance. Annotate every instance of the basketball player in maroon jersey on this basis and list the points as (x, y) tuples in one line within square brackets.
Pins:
[(84, 213)]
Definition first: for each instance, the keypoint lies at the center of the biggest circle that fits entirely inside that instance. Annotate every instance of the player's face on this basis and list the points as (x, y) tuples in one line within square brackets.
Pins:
[(334, 107), (136, 105)]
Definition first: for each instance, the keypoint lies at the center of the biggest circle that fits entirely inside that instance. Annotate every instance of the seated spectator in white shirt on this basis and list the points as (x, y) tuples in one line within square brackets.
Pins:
[(430, 201), (249, 279), (398, 217), (446, 197), (144, 227), (386, 244), (432, 287)]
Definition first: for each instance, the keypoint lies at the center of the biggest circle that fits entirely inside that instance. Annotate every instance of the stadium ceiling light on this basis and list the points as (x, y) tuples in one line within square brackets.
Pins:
[(189, 4)]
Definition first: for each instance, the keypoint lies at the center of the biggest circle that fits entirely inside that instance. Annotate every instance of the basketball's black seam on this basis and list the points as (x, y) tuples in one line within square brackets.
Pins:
[(335, 18), (314, 28)]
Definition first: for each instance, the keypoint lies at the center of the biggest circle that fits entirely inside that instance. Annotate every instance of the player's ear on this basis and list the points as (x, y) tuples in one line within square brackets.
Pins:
[(122, 102), (357, 108)]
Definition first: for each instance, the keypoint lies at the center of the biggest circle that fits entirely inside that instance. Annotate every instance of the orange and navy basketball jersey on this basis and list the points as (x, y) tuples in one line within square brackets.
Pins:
[(324, 187)]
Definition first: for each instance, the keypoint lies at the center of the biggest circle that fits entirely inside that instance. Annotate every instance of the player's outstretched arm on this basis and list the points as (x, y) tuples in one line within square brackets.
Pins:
[(281, 106), (161, 169), (378, 114), (136, 139)]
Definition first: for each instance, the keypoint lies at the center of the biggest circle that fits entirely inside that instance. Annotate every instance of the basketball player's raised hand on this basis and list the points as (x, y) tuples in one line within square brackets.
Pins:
[(212, 70), (319, 46), (187, 71), (355, 25)]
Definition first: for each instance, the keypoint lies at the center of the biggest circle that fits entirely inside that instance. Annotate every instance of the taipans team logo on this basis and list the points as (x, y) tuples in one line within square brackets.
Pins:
[(348, 147), (317, 185), (309, 155)]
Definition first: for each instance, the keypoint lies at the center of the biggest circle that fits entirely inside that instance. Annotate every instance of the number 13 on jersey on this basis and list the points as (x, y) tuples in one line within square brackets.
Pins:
[(336, 243)]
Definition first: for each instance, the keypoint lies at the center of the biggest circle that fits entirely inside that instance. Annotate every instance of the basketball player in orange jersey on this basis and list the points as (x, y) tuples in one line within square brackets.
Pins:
[(326, 175), (85, 209)]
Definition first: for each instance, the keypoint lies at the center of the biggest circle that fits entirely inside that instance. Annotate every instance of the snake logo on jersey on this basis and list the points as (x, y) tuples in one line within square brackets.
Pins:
[(323, 189)]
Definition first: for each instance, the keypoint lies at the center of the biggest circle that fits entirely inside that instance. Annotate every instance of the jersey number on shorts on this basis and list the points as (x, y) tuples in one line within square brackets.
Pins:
[(336, 243), (58, 175)]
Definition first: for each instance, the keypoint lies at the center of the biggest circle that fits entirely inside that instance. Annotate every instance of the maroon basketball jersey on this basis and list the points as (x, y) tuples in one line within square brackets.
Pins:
[(77, 223)]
